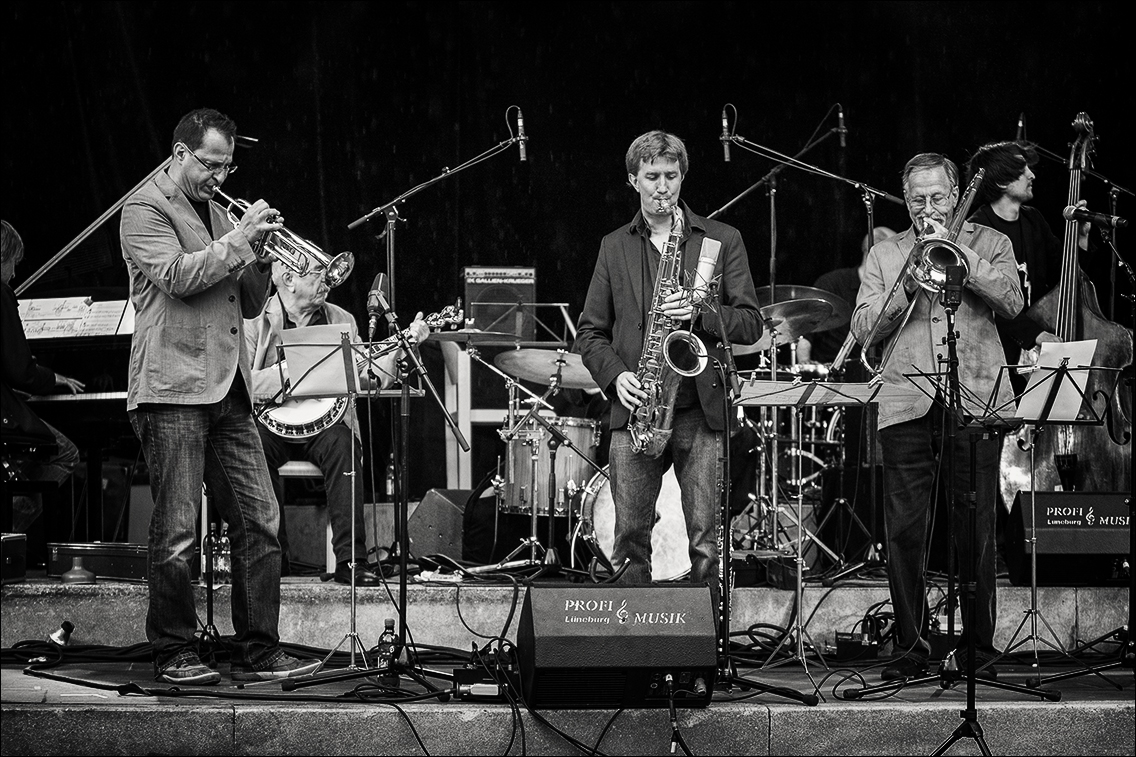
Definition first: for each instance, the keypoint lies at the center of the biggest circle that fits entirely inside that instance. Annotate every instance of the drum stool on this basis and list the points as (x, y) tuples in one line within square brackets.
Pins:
[(290, 469)]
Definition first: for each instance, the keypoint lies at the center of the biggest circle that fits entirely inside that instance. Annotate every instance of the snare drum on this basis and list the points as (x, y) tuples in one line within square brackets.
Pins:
[(533, 437), (670, 556)]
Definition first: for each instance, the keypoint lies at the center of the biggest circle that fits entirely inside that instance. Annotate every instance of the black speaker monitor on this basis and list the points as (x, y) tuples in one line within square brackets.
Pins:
[(1081, 537), (596, 646), (435, 526)]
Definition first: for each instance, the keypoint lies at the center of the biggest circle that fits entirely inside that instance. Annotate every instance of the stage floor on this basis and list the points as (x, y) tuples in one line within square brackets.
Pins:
[(121, 710)]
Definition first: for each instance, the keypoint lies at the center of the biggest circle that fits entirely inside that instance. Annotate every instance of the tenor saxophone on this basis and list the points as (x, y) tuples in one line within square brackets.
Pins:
[(669, 353)]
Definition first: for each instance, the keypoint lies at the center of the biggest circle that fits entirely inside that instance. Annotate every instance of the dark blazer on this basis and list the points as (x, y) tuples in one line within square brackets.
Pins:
[(610, 335), (22, 372)]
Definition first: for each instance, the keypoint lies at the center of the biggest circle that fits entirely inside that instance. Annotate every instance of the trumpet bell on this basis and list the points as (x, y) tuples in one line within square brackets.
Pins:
[(339, 269)]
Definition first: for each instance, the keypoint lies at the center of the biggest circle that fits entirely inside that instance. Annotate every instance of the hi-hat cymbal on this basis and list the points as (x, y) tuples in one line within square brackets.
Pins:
[(841, 310), (785, 321), (540, 366), (472, 335)]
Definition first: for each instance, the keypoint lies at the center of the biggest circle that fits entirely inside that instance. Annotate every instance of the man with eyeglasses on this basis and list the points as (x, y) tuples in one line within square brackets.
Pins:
[(913, 431), (299, 301), (193, 278)]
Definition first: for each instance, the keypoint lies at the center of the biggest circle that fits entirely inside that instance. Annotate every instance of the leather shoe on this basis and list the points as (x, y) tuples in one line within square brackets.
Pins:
[(904, 667), (981, 659), (363, 575)]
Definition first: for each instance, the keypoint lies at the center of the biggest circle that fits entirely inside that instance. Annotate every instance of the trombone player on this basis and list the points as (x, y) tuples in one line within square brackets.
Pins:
[(913, 432), (194, 276)]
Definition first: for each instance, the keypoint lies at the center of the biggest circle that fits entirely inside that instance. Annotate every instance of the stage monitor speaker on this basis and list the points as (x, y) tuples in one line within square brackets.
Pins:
[(586, 646), (435, 526), (1081, 538), (500, 298)]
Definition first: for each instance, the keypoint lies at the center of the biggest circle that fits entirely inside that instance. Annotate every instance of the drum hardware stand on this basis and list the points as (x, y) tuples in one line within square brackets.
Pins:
[(727, 674)]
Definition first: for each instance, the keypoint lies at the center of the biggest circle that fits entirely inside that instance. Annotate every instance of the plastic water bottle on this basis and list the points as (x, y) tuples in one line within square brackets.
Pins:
[(223, 558), (385, 651)]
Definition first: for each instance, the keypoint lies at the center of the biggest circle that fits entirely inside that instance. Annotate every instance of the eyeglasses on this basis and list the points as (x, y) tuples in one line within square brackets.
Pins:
[(211, 167), (937, 201)]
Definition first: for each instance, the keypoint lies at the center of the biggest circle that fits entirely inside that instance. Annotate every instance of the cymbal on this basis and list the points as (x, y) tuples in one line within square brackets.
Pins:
[(786, 321), (472, 335), (841, 310), (540, 365)]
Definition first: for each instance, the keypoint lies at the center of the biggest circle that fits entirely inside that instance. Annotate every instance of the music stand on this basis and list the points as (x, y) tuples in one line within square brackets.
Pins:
[(798, 394), (324, 368), (1053, 396)]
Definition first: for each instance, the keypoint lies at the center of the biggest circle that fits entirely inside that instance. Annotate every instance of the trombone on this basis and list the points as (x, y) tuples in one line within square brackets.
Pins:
[(294, 251), (927, 264)]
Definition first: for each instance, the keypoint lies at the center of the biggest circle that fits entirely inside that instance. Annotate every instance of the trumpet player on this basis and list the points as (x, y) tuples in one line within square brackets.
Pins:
[(913, 431), (193, 277), (611, 338)]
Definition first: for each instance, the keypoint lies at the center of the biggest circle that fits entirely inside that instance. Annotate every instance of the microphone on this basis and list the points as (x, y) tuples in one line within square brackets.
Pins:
[(725, 137), (952, 292), (840, 124), (1021, 126), (376, 304), (704, 273), (1073, 213), (521, 138)]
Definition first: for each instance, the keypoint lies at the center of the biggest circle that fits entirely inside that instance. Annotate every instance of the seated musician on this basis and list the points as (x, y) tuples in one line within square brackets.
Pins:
[(22, 373), (301, 301)]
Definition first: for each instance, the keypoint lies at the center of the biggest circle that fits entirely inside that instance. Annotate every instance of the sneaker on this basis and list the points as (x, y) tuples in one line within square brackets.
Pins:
[(908, 666), (277, 666), (187, 668)]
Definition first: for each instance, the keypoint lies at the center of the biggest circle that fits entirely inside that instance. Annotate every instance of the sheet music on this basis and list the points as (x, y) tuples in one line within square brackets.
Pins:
[(1069, 395), (315, 361), (103, 318)]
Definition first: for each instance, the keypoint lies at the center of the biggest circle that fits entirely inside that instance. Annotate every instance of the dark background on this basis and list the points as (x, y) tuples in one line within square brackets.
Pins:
[(354, 103)]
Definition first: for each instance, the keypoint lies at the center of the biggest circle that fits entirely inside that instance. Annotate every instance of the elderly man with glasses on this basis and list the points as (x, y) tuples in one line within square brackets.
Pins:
[(913, 432), (193, 278)]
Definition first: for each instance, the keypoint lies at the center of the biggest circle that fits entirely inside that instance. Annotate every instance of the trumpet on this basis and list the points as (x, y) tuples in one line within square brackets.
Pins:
[(292, 250), (927, 265)]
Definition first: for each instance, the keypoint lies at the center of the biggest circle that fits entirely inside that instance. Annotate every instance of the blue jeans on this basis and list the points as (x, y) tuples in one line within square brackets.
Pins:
[(911, 452), (217, 444), (331, 451), (695, 451)]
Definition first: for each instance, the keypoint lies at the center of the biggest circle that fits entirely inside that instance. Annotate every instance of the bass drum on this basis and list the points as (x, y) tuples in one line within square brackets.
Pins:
[(670, 558)]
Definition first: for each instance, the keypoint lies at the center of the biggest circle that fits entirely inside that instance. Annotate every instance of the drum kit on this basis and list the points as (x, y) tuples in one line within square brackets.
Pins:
[(795, 444)]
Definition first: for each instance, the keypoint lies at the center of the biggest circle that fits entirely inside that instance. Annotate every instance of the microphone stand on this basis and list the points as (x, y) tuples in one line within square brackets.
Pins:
[(390, 209), (727, 668)]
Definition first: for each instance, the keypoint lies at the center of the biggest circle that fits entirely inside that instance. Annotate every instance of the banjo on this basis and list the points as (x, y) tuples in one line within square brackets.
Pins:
[(303, 418)]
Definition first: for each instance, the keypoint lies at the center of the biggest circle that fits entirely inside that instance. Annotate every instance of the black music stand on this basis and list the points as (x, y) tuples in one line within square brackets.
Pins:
[(326, 369), (799, 393), (1052, 398)]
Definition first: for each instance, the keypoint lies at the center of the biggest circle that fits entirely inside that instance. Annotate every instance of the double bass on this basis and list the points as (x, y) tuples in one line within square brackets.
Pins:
[(1084, 456)]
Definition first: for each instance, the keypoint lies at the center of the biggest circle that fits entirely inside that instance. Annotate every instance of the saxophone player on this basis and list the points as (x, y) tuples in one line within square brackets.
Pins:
[(611, 338)]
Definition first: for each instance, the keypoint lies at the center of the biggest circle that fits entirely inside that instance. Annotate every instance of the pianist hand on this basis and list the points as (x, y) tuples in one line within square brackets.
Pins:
[(74, 385)]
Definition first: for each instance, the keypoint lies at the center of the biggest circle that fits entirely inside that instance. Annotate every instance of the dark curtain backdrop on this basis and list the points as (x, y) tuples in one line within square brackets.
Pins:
[(354, 103)]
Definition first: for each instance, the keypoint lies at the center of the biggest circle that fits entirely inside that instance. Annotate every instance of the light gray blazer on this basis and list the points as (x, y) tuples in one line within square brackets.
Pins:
[(190, 295), (992, 287)]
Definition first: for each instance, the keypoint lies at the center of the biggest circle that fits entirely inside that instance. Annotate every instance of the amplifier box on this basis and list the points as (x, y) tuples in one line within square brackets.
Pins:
[(612, 646), (501, 298), (14, 554), (1081, 537), (124, 562)]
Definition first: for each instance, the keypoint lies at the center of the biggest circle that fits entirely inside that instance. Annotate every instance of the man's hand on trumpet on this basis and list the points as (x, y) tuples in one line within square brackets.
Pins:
[(258, 219)]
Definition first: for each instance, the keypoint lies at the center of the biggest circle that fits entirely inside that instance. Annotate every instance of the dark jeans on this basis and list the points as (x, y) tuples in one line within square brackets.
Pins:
[(695, 451), (331, 451), (217, 444), (911, 452)]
